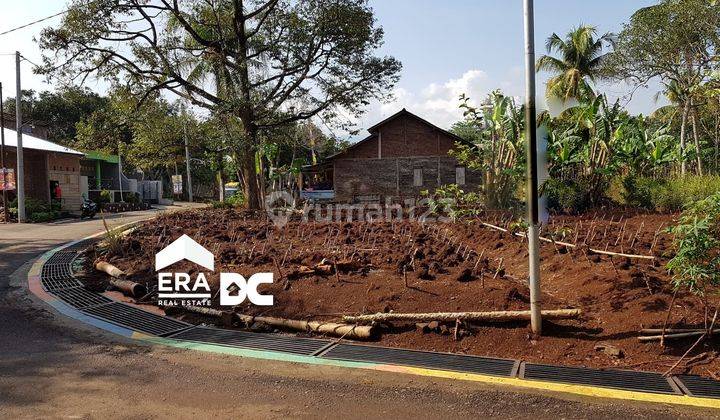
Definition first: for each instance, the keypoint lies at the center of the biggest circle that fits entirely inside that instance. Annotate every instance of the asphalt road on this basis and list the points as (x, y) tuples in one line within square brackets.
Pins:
[(51, 367)]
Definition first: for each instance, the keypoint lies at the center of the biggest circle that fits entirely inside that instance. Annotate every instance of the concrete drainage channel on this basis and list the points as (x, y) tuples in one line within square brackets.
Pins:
[(52, 280)]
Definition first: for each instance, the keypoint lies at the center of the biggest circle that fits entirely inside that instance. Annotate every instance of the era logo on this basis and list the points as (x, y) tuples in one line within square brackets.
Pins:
[(234, 289)]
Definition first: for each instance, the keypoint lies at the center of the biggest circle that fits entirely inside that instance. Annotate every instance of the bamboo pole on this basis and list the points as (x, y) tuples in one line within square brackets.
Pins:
[(463, 316), (569, 245), (678, 335), (328, 328)]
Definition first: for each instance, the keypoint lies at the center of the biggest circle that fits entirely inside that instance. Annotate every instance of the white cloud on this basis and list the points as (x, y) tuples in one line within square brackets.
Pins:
[(438, 102)]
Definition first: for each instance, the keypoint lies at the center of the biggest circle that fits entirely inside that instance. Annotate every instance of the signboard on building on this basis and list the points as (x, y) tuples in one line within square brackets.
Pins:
[(177, 184), (7, 179)]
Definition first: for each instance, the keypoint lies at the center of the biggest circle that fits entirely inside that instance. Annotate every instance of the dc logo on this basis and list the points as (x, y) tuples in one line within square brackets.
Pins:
[(234, 289)]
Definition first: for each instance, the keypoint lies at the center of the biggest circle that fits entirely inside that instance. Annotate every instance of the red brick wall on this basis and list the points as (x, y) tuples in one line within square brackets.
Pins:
[(34, 164), (407, 136), (367, 149)]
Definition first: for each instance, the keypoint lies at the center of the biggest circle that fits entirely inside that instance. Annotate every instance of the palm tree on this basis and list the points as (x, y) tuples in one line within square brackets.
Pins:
[(581, 56)]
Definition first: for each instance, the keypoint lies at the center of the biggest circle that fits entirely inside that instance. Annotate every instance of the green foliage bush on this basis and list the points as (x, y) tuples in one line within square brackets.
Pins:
[(131, 198), (576, 196), (216, 204), (43, 216), (105, 197), (641, 192), (236, 200), (696, 264), (668, 195), (680, 193)]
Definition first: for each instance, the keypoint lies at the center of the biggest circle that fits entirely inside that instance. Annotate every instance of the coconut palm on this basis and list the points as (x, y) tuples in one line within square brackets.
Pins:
[(578, 65)]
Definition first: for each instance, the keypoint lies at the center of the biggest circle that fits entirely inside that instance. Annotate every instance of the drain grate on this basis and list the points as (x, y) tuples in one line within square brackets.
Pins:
[(61, 257), (80, 245), (617, 379), (426, 359), (52, 285), (56, 271), (79, 297), (697, 386), (256, 341), (136, 319)]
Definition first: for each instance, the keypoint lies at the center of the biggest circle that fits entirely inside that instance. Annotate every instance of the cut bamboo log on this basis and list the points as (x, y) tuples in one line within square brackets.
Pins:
[(128, 287), (678, 335), (110, 269), (327, 328), (462, 316), (569, 245)]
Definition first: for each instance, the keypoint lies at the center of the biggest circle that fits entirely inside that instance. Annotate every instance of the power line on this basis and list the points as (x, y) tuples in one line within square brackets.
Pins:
[(44, 19), (34, 22)]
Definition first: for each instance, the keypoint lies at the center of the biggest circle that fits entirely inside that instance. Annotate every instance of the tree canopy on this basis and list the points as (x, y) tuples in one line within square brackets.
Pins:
[(281, 60)]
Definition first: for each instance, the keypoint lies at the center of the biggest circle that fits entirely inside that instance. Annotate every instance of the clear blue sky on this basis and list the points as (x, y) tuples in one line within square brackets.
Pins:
[(446, 46)]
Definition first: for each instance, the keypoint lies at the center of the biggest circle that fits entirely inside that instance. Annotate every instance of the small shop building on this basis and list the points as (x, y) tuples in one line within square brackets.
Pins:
[(52, 171)]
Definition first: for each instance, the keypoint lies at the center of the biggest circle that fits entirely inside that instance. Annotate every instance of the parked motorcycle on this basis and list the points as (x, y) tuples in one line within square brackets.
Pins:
[(88, 209)]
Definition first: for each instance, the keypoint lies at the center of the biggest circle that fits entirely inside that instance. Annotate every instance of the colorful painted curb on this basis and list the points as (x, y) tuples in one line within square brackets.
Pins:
[(36, 288)]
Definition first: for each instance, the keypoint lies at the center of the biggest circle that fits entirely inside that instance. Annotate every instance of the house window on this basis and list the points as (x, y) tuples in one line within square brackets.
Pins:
[(460, 175), (417, 177)]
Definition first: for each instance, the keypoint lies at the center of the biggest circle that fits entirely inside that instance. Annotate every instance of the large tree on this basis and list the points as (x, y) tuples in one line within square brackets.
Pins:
[(676, 41), (59, 110), (282, 60), (580, 58)]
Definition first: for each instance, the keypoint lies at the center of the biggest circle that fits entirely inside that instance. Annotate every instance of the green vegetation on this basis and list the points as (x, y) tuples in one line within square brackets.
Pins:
[(495, 146), (668, 195), (280, 63), (37, 211), (697, 240), (579, 64)]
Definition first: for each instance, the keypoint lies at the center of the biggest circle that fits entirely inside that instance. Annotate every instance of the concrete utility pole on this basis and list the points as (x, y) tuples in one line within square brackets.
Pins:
[(532, 169), (187, 163), (20, 173), (120, 175), (2, 156)]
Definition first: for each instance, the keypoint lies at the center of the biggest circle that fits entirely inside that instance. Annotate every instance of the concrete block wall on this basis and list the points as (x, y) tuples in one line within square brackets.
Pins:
[(66, 170), (394, 177)]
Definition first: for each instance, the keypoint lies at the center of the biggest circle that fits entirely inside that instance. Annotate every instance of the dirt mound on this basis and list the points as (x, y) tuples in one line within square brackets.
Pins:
[(405, 266)]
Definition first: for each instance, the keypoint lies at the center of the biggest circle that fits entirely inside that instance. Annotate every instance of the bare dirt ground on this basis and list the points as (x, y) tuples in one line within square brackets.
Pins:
[(462, 266), (52, 367)]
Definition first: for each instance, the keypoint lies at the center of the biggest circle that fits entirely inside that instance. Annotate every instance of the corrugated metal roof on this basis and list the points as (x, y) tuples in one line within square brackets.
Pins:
[(31, 142)]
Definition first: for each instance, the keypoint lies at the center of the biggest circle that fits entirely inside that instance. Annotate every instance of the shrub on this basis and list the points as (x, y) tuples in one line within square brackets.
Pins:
[(570, 196), (641, 192), (697, 239), (236, 199), (105, 197), (132, 198), (216, 204), (43, 216), (678, 193)]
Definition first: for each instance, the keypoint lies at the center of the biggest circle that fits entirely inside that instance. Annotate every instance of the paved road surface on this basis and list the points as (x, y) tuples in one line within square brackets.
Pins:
[(54, 368)]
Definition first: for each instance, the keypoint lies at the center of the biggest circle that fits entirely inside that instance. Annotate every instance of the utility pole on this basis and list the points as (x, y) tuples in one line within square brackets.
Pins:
[(187, 162), (6, 217), (20, 175), (120, 175), (532, 169)]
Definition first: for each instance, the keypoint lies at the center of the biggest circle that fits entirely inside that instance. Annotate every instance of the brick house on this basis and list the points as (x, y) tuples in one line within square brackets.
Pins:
[(403, 155), (46, 165)]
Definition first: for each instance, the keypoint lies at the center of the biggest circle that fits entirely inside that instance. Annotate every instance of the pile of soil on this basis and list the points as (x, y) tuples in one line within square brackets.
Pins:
[(405, 266)]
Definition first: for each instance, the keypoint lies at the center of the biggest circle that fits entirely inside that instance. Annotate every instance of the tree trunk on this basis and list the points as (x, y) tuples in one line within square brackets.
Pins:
[(697, 144), (249, 178), (251, 184), (683, 133), (221, 186)]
